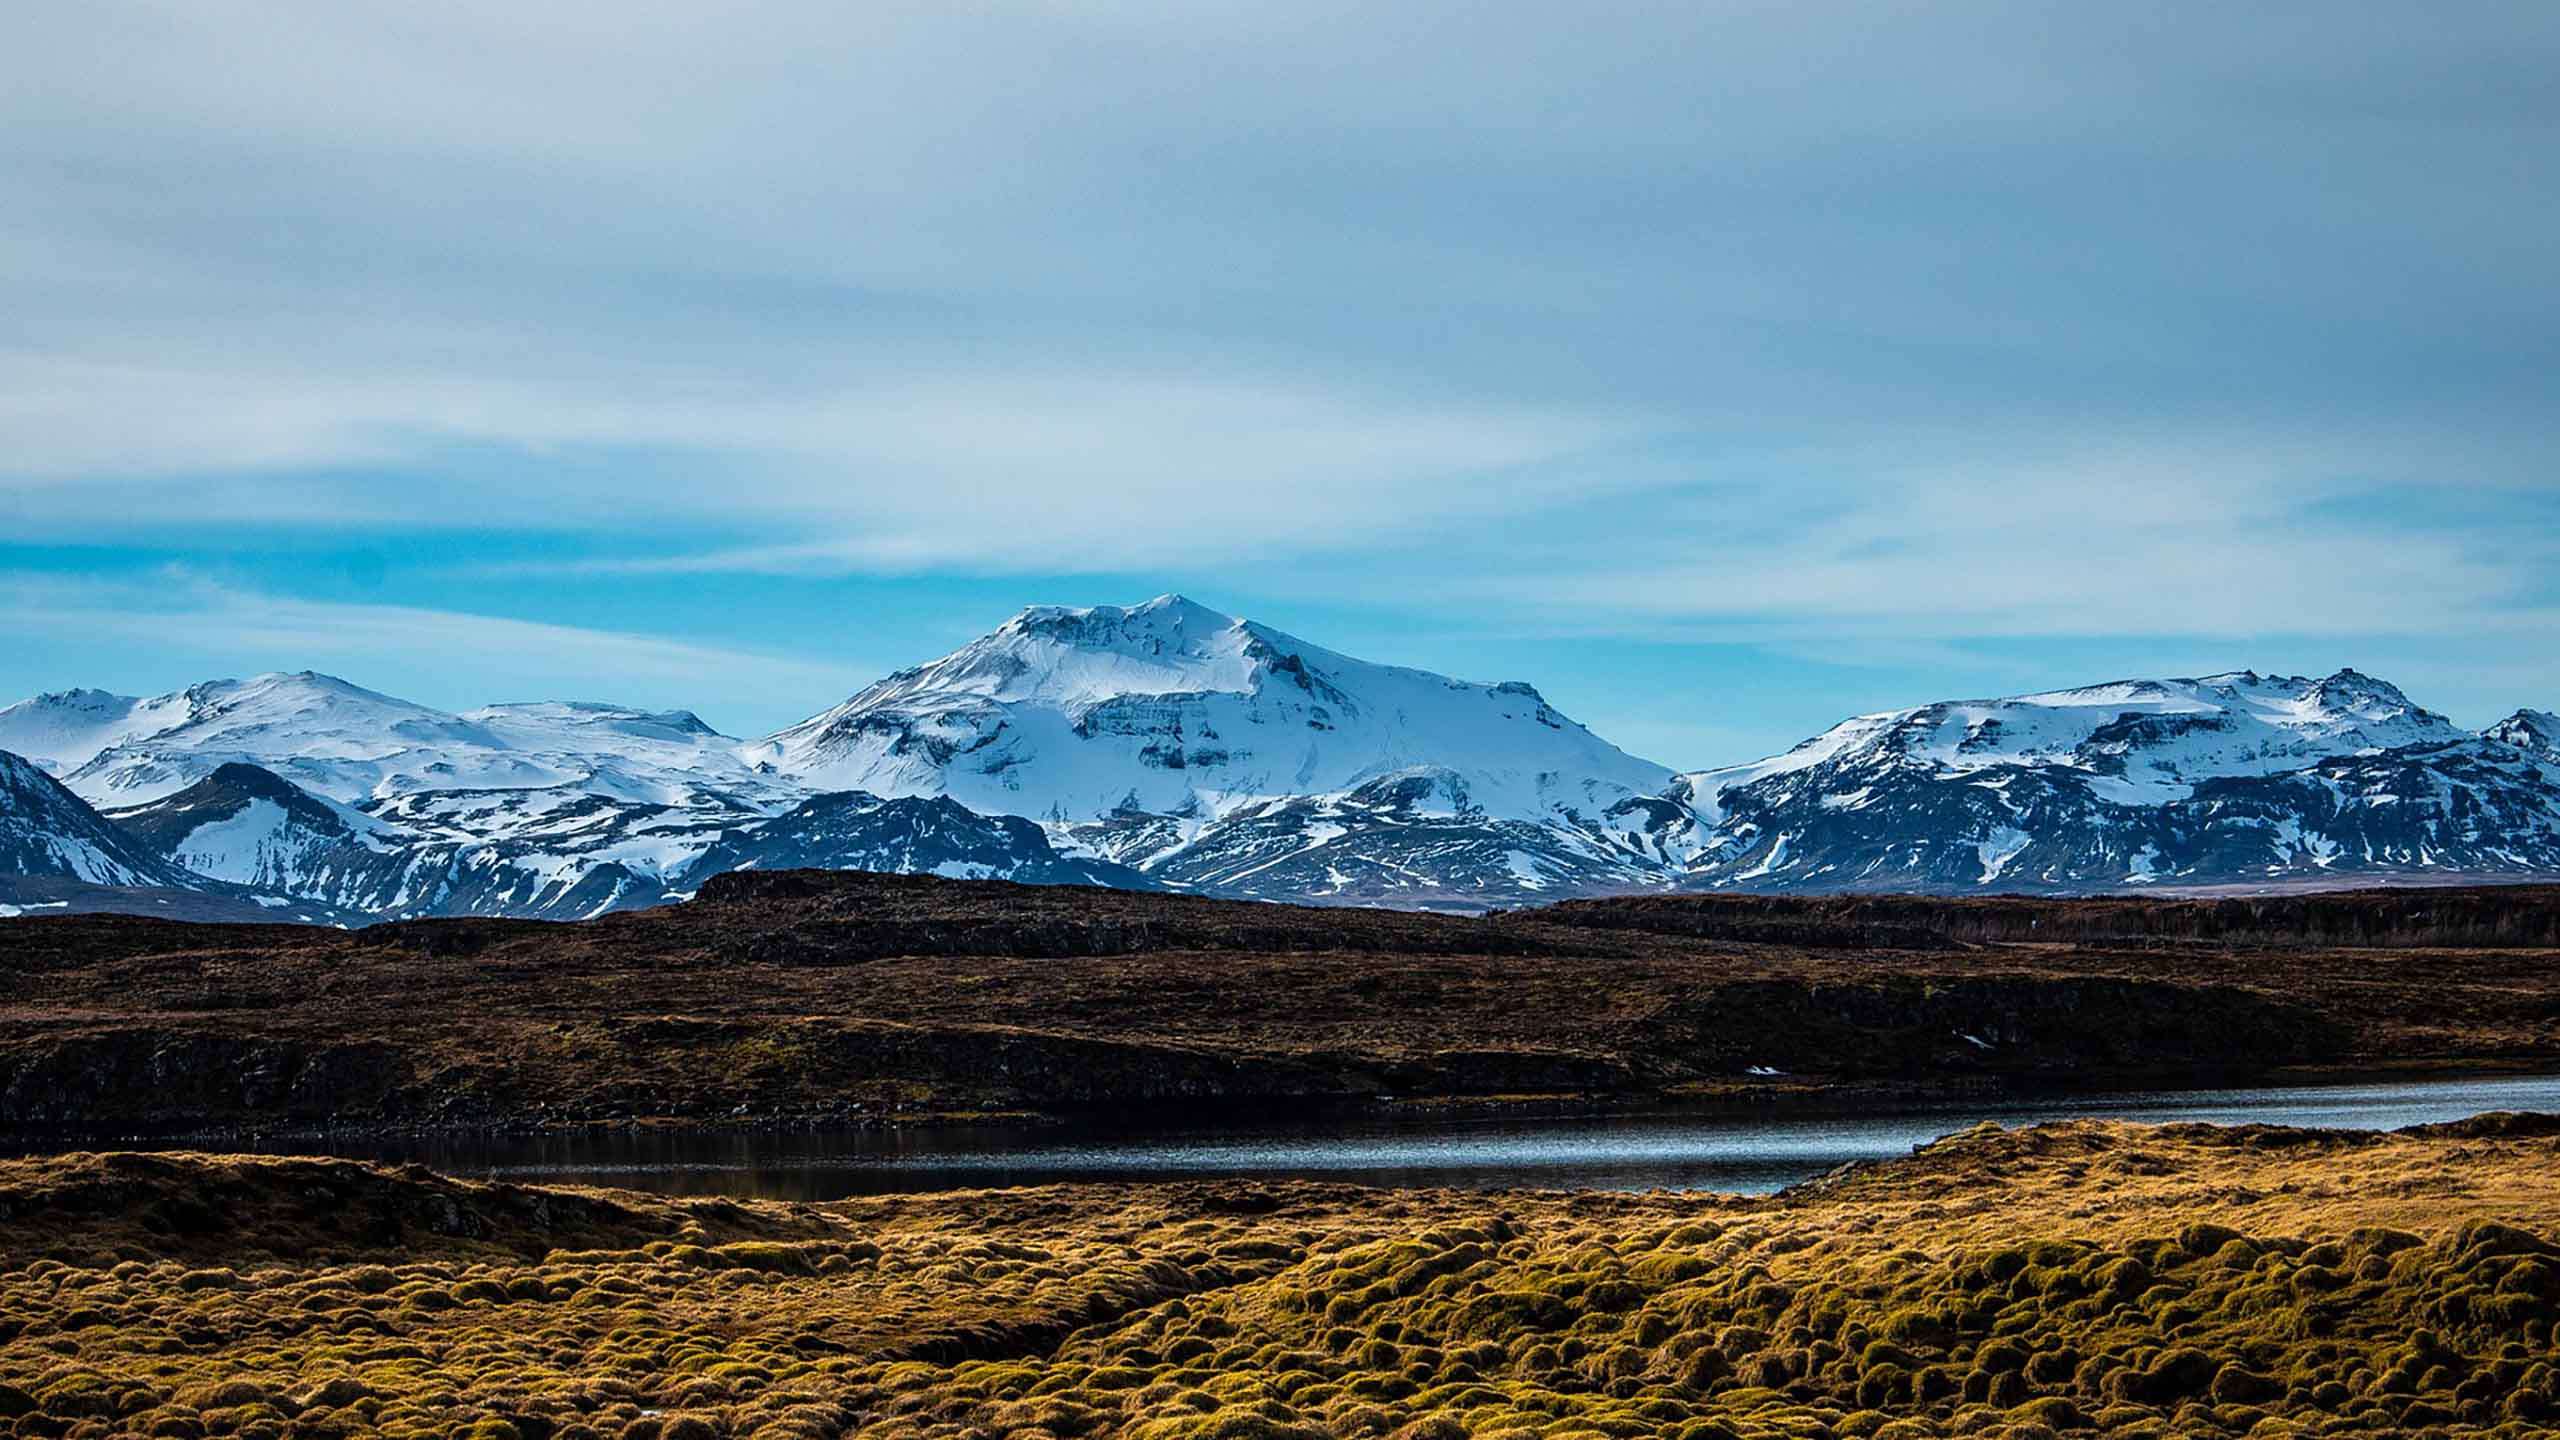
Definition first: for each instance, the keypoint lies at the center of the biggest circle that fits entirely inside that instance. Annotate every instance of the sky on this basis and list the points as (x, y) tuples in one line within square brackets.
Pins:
[(1721, 369)]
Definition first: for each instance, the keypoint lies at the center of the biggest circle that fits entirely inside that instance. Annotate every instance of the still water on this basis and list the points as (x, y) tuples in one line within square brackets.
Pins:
[(1721, 1150)]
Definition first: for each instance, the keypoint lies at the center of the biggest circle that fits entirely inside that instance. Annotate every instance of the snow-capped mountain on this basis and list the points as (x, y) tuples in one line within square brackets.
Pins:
[(327, 735), (1414, 838), (1168, 745), (60, 732), (48, 832), (252, 827), (352, 744), (558, 808), (2534, 731), (2229, 778), (2474, 807), (417, 854), (59, 856), (1184, 742), (547, 853), (913, 835), (2140, 741)]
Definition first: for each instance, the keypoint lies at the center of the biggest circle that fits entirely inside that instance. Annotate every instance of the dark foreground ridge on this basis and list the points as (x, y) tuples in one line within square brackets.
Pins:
[(2072, 1280), (831, 997), (2461, 917)]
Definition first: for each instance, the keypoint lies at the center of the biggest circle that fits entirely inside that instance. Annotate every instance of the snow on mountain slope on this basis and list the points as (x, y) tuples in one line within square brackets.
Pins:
[(541, 808), (567, 854), (1172, 708), (251, 827), (2138, 782), (47, 832), (1168, 744), (648, 757), (913, 835), (2142, 742), (352, 745), (329, 736), (417, 854), (555, 841), (2536, 731), (61, 731), (1135, 733), (1412, 839), (326, 791), (2474, 807)]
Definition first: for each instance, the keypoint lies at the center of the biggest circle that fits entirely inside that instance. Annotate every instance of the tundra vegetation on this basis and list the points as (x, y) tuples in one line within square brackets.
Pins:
[(845, 998), (2075, 1279)]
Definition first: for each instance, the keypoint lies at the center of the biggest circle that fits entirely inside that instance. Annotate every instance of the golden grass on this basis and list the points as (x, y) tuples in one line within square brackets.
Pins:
[(2075, 1279)]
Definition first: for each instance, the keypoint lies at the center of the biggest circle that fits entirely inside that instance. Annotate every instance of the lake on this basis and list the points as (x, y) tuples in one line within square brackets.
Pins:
[(1726, 1149)]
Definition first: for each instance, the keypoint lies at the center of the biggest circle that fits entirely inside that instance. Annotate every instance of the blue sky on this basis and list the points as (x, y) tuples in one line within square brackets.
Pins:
[(1722, 369)]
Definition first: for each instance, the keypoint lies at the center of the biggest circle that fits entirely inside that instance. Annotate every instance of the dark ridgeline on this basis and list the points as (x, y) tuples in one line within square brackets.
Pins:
[(834, 997), (2423, 916)]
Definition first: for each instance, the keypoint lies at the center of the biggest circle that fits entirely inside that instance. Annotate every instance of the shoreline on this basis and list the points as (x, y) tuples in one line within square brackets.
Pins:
[(1735, 1100), (862, 1003)]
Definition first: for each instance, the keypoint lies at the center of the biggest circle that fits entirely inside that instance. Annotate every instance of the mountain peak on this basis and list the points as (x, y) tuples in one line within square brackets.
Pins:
[(337, 739), (314, 682), (2357, 697), (2348, 678), (587, 716), (2534, 730), (253, 779), (45, 830), (2137, 741), (1166, 616), (1170, 708), (79, 697), (1076, 657)]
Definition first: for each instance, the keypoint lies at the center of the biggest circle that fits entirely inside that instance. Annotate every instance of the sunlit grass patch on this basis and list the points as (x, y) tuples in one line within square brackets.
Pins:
[(2082, 1281)]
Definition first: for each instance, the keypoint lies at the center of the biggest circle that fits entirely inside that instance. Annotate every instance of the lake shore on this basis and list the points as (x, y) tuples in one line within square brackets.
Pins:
[(1737, 1103)]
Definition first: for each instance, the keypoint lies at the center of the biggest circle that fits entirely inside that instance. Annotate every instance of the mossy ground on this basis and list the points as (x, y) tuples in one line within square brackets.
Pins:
[(2077, 1279)]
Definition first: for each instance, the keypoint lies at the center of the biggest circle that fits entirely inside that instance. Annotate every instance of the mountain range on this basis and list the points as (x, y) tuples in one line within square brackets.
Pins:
[(1169, 746)]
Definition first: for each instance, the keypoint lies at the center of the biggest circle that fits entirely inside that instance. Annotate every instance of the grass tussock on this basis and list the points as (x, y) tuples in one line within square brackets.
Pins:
[(2076, 1280)]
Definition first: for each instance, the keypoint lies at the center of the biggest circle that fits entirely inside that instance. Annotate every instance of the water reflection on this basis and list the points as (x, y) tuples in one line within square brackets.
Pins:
[(1686, 1150)]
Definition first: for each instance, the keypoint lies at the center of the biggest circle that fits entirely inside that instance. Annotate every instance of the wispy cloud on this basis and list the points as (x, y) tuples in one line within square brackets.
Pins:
[(2231, 537), (1840, 329), (1112, 470), (211, 626)]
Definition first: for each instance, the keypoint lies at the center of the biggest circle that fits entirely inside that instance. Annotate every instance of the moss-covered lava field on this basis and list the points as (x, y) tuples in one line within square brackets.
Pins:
[(2079, 1279)]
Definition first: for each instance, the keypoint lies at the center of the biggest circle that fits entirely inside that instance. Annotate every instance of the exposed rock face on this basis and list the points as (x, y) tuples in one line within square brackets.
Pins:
[(46, 832), (2537, 732), (1413, 840), (912, 836), (416, 854)]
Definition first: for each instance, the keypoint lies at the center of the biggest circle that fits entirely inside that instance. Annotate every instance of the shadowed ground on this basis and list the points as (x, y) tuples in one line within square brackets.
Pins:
[(841, 997)]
